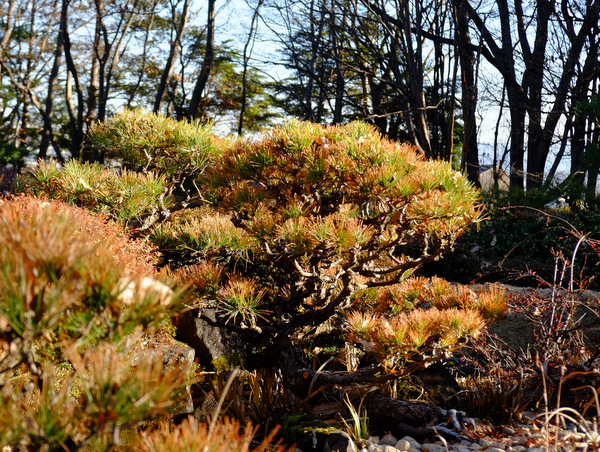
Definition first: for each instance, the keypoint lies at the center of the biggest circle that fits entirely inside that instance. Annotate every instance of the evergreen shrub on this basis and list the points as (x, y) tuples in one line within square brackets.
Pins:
[(304, 232), (65, 377), (123, 195), (153, 142)]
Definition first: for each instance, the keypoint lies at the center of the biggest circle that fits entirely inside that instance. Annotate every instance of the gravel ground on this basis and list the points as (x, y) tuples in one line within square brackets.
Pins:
[(529, 436)]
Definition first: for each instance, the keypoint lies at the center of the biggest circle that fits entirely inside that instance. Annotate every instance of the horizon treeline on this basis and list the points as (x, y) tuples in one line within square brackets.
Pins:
[(421, 71)]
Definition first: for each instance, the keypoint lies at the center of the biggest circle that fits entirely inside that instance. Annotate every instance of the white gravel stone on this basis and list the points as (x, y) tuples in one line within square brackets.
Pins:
[(426, 447), (402, 445), (508, 431), (373, 439), (520, 439), (375, 448), (414, 444), (389, 440), (517, 448), (389, 448), (484, 442), (493, 449), (459, 448)]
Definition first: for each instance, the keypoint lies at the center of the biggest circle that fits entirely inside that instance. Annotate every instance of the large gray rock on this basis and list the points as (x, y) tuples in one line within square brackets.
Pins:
[(215, 346), (339, 442), (173, 355)]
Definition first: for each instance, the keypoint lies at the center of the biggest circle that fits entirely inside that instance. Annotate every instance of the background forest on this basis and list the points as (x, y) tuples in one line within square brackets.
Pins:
[(510, 85)]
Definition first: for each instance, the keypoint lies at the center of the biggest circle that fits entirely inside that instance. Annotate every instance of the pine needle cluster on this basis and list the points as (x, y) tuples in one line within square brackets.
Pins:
[(126, 196), (410, 324)]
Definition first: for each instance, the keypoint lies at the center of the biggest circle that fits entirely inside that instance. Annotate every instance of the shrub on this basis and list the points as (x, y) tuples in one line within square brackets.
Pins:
[(11, 154), (200, 233), (128, 197), (408, 325), (520, 245), (297, 235), (194, 436), (133, 256), (64, 320), (153, 142), (306, 215), (331, 210)]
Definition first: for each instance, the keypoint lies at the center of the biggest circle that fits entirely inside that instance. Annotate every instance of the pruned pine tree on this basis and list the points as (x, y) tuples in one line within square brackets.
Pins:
[(309, 234), (305, 237)]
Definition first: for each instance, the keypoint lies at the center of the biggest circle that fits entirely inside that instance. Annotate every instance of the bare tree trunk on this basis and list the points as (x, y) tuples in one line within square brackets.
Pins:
[(539, 152), (583, 148), (503, 60), (516, 100), (94, 84), (98, 53), (207, 64), (517, 110), (414, 65), (75, 114), (47, 134), (339, 74), (441, 97), (247, 52), (8, 25), (133, 92), (406, 35), (594, 164), (534, 60), (452, 114), (112, 55), (173, 53), (470, 157), (561, 152), (106, 56), (315, 36)]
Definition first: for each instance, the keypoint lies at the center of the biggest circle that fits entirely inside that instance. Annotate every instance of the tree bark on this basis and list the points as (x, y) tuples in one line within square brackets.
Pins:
[(503, 60), (173, 53), (133, 92), (533, 84), (406, 39), (539, 153), (94, 83), (339, 73), (412, 43), (75, 114), (207, 64), (111, 56), (247, 51), (470, 157), (47, 134)]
